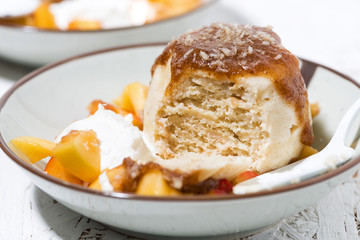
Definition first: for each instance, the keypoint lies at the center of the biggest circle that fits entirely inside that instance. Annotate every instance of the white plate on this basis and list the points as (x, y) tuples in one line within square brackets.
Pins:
[(47, 100), (35, 47)]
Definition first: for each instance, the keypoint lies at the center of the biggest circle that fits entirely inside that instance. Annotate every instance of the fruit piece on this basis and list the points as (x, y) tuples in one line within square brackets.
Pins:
[(79, 153), (223, 187), (31, 148), (138, 93), (79, 24), (55, 169), (307, 151), (137, 122), (95, 185), (153, 184), (314, 109), (123, 101), (43, 17), (169, 8), (133, 99), (244, 176), (94, 106), (117, 178)]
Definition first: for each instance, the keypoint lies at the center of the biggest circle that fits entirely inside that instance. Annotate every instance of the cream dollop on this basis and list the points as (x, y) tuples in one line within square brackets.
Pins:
[(118, 137), (110, 13)]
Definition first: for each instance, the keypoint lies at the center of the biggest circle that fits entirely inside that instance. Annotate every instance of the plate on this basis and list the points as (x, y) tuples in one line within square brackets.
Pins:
[(45, 101)]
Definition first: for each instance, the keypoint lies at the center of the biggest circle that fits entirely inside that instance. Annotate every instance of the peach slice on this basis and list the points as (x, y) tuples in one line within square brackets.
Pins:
[(79, 153), (244, 176), (169, 8), (31, 149), (314, 109), (123, 101), (133, 99), (79, 24), (138, 93), (55, 169), (43, 17), (95, 185), (117, 178), (153, 184), (94, 106), (307, 151)]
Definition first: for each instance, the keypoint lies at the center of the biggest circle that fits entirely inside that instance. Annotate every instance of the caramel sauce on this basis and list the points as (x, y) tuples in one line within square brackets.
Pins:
[(189, 182)]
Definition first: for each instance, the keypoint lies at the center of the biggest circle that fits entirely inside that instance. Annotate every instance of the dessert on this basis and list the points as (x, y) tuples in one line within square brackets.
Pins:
[(92, 14), (226, 102), (227, 98)]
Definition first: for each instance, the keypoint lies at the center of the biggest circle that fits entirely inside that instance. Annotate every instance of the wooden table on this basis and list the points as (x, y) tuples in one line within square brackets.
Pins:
[(325, 31)]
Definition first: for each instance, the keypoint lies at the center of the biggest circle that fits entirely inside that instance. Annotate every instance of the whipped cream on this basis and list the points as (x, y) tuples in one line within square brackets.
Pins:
[(118, 137), (110, 13), (13, 8)]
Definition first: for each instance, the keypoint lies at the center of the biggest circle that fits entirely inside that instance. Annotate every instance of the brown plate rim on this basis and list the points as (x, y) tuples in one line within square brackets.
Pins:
[(131, 196), (30, 29)]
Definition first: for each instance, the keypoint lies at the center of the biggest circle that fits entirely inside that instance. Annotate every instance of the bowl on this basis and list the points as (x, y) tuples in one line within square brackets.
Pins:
[(35, 47), (42, 103)]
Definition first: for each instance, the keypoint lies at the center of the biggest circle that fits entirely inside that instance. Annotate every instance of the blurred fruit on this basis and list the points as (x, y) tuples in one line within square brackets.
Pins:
[(170, 8), (307, 151), (223, 187), (43, 17), (123, 101), (314, 109), (78, 24), (244, 176)]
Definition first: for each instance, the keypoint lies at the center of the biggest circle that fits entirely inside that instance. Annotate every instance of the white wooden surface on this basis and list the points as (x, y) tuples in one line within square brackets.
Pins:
[(327, 31)]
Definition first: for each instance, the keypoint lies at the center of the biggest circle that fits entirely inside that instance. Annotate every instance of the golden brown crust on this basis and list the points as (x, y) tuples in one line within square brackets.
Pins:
[(232, 51)]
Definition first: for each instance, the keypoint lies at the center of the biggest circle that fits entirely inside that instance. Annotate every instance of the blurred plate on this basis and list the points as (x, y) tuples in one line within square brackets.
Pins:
[(35, 47)]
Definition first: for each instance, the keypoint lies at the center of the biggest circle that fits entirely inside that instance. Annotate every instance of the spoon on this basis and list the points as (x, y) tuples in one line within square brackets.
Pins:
[(332, 156)]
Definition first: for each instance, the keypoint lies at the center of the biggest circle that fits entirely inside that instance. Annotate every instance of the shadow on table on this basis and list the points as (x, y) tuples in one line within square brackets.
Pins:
[(13, 71)]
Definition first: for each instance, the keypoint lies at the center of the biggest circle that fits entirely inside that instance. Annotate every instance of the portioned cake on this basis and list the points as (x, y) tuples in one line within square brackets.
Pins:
[(224, 99)]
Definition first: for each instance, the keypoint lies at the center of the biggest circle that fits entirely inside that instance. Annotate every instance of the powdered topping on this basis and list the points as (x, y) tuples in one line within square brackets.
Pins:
[(226, 48)]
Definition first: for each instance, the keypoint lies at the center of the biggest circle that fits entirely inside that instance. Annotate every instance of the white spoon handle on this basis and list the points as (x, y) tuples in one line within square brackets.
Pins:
[(332, 156), (297, 172)]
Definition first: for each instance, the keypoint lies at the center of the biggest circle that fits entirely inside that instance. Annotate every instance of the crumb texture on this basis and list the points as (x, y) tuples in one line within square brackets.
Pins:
[(210, 116)]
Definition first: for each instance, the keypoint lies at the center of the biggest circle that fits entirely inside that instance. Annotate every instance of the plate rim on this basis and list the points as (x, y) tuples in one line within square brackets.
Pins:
[(308, 66)]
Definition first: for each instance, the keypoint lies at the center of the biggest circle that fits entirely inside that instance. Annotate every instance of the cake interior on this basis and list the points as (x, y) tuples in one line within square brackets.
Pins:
[(211, 116)]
